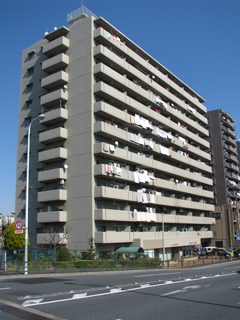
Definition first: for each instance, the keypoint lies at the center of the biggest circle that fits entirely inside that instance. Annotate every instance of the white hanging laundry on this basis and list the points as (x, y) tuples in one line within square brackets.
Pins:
[(139, 216), (151, 144), (144, 198), (139, 195), (153, 216), (146, 176), (136, 177), (141, 140), (137, 119), (158, 100), (119, 171), (148, 217), (152, 198), (141, 177), (132, 137), (111, 148), (164, 150)]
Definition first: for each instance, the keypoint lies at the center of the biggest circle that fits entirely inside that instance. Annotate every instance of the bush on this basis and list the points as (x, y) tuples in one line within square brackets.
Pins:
[(64, 254), (21, 257)]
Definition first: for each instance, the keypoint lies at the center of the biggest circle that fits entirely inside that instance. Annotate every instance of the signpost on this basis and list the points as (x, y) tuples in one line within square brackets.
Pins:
[(238, 237), (18, 227)]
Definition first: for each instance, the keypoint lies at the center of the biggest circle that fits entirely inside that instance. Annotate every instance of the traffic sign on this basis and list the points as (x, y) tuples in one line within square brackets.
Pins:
[(18, 231), (238, 236), (19, 225)]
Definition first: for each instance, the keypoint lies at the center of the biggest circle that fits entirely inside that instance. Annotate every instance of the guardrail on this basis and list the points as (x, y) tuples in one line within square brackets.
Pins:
[(107, 265)]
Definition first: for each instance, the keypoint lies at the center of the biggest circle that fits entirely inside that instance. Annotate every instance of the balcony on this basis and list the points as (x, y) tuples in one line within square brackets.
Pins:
[(52, 216), (54, 80), (129, 216), (55, 116), (108, 92), (53, 64), (58, 45), (55, 97), (46, 238), (127, 177), (149, 240), (130, 196), (62, 31), (102, 36), (52, 155), (53, 135), (53, 174), (52, 195), (133, 158)]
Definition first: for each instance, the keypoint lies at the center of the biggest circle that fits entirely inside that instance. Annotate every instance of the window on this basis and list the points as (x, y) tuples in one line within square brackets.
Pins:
[(29, 87), (31, 55), (29, 104), (30, 71), (28, 120)]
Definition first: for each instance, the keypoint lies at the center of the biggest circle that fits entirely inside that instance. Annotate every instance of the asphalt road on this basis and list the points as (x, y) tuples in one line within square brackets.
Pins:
[(211, 292)]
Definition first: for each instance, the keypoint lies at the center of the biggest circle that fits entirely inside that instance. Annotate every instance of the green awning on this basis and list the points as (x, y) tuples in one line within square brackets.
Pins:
[(129, 249)]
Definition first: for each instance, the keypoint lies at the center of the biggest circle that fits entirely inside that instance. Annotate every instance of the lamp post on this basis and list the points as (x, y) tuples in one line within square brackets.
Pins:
[(163, 240), (40, 117)]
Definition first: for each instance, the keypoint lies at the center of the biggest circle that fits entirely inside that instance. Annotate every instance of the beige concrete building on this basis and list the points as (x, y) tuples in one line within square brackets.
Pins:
[(122, 145)]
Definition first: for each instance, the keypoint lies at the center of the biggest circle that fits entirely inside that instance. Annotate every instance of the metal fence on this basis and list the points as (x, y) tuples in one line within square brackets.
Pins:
[(17, 267)]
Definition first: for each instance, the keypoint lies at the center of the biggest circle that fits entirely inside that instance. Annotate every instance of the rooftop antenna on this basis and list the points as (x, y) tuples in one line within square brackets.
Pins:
[(81, 3), (55, 28), (46, 31)]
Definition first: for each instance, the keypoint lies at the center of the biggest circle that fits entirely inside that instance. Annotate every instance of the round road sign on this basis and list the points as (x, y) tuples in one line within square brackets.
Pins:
[(18, 225)]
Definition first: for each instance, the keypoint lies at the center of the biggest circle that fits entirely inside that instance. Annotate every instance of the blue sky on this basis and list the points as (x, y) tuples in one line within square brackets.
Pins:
[(199, 41)]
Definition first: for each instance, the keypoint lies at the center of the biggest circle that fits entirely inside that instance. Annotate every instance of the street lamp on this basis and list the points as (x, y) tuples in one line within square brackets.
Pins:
[(163, 240), (40, 117)]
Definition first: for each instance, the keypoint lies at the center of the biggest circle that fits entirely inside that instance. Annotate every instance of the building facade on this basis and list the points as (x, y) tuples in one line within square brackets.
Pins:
[(226, 177), (121, 150)]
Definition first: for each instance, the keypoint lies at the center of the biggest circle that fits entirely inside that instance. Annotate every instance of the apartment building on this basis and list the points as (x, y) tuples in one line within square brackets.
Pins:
[(226, 177), (238, 150), (122, 150)]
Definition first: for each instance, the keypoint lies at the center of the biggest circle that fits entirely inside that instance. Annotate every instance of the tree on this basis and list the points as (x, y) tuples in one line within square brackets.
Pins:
[(13, 240), (92, 252), (64, 254), (53, 239)]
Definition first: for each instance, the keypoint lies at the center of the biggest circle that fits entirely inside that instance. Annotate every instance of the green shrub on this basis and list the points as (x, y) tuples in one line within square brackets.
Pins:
[(64, 254), (21, 257)]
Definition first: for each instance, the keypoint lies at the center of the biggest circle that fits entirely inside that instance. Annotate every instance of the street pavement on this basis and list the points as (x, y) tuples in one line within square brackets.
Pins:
[(211, 292)]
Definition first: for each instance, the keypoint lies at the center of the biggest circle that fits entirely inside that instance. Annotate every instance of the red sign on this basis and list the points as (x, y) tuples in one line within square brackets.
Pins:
[(18, 225)]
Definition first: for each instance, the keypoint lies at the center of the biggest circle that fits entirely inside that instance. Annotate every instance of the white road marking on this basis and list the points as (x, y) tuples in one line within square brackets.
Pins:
[(115, 290), (79, 295), (157, 274), (192, 287), (7, 288), (26, 303), (173, 292)]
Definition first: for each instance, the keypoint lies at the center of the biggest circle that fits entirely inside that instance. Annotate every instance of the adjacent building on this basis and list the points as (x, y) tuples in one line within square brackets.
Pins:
[(121, 150), (226, 178)]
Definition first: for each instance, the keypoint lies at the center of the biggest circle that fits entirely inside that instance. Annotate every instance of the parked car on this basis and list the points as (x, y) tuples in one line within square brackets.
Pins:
[(236, 252), (221, 252), (199, 251), (210, 249)]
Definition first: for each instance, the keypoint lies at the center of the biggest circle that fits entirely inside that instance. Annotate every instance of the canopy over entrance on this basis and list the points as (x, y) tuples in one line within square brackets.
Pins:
[(129, 249)]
